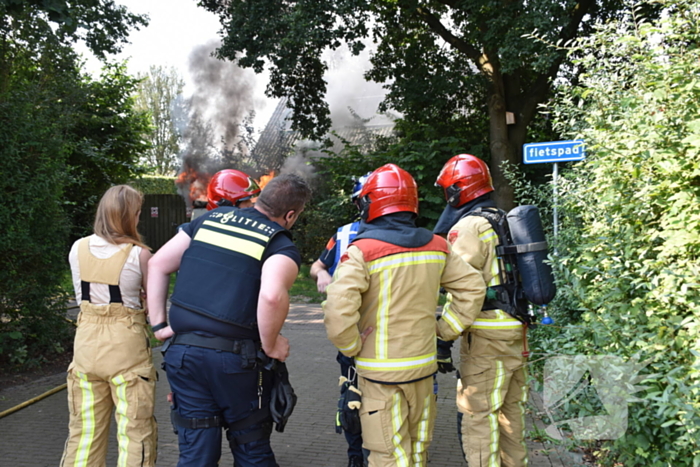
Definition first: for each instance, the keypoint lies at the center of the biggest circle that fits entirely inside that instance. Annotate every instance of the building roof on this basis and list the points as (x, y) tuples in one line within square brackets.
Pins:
[(278, 141)]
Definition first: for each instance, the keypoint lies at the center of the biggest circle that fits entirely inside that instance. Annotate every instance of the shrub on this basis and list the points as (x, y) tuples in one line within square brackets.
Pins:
[(629, 243)]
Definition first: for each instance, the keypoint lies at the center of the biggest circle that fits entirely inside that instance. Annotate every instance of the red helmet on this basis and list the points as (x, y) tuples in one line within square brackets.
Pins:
[(464, 178), (388, 189), (230, 185)]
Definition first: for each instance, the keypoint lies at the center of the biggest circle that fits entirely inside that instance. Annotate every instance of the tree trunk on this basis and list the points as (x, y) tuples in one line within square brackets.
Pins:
[(501, 151)]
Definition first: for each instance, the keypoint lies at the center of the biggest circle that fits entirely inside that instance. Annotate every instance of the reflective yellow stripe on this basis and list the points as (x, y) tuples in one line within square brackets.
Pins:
[(222, 240), (87, 409), (406, 259), (496, 403), (423, 429), (123, 420), (491, 236), (238, 230), (497, 324), (397, 419), (354, 344), (521, 404), (384, 266), (452, 320), (487, 236), (396, 364), (384, 299), (502, 321)]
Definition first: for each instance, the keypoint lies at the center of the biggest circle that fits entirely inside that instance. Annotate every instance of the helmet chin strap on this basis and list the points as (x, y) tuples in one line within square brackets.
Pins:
[(363, 204), (453, 192)]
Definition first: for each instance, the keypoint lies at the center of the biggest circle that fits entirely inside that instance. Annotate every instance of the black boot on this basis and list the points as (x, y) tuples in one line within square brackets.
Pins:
[(356, 461)]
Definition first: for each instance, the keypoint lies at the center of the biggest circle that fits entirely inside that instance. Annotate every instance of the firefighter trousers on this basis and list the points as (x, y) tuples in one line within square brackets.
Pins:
[(112, 370), (397, 422), (491, 396)]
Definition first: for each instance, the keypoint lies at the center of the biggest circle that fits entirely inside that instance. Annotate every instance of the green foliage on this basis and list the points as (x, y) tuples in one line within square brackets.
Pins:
[(421, 150), (107, 135), (443, 62), (304, 289), (153, 185), (630, 239), (102, 24), (64, 138), (417, 52), (159, 91), (32, 242)]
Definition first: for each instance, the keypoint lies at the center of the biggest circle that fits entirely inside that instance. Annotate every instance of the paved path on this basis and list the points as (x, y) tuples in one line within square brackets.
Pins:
[(34, 436)]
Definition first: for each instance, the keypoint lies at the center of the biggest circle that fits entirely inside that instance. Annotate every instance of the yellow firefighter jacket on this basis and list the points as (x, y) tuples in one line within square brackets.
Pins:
[(394, 290), (475, 241)]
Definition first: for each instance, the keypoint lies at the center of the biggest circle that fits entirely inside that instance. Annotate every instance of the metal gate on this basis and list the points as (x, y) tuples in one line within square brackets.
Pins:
[(160, 217)]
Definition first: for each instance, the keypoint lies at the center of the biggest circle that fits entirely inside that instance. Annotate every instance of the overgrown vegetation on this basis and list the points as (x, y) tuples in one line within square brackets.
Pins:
[(64, 138), (155, 185), (629, 241)]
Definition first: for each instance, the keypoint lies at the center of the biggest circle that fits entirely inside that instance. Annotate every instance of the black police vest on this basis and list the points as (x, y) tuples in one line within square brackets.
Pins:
[(220, 272)]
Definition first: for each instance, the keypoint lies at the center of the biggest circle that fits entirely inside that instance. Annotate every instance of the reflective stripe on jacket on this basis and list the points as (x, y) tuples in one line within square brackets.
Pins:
[(475, 241), (394, 290), (343, 237)]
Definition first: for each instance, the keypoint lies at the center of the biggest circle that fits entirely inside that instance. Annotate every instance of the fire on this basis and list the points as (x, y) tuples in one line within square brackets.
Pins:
[(265, 179), (196, 181)]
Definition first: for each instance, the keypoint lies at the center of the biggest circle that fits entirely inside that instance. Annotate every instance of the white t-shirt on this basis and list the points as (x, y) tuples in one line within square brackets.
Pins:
[(129, 281)]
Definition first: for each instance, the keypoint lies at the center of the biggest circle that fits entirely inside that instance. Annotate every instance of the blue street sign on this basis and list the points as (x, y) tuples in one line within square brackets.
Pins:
[(554, 151)]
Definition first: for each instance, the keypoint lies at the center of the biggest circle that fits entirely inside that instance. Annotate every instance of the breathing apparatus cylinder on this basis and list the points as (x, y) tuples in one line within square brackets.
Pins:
[(528, 236)]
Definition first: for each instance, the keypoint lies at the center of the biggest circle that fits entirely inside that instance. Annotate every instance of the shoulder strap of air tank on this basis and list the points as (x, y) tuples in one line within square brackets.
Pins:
[(498, 221)]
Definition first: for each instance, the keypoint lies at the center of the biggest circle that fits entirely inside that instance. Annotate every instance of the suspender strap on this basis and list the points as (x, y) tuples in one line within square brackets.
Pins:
[(85, 290), (115, 294), (101, 270)]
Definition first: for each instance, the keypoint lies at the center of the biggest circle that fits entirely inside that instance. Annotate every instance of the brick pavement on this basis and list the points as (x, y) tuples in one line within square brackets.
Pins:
[(34, 436)]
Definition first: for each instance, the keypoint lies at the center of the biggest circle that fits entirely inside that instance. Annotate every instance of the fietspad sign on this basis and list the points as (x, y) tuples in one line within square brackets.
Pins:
[(554, 151)]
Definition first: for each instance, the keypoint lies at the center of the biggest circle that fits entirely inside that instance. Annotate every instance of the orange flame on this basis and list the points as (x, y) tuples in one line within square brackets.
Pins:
[(265, 179), (197, 182)]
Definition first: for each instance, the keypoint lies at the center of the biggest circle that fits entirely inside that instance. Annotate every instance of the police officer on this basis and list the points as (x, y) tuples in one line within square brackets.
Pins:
[(231, 298), (381, 310), (322, 272), (492, 391)]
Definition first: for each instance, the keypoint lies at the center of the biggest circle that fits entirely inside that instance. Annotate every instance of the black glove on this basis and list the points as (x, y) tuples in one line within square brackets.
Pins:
[(282, 396), (444, 356), (349, 404)]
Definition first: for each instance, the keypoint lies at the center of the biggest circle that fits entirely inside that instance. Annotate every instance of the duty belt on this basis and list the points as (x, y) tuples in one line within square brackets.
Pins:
[(209, 342)]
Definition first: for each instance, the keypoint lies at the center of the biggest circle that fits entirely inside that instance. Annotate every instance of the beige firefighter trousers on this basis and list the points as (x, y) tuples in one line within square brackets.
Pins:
[(492, 394), (397, 422), (111, 369)]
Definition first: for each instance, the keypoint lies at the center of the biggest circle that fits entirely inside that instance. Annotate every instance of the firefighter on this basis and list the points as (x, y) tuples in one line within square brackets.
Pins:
[(381, 309), (227, 187), (231, 297), (322, 271), (492, 389), (231, 187), (112, 365)]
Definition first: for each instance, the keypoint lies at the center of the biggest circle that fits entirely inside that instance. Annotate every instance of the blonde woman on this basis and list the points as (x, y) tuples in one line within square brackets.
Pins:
[(112, 365)]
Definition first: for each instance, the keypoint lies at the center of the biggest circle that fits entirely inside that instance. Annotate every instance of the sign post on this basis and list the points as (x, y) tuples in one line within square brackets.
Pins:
[(554, 151)]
